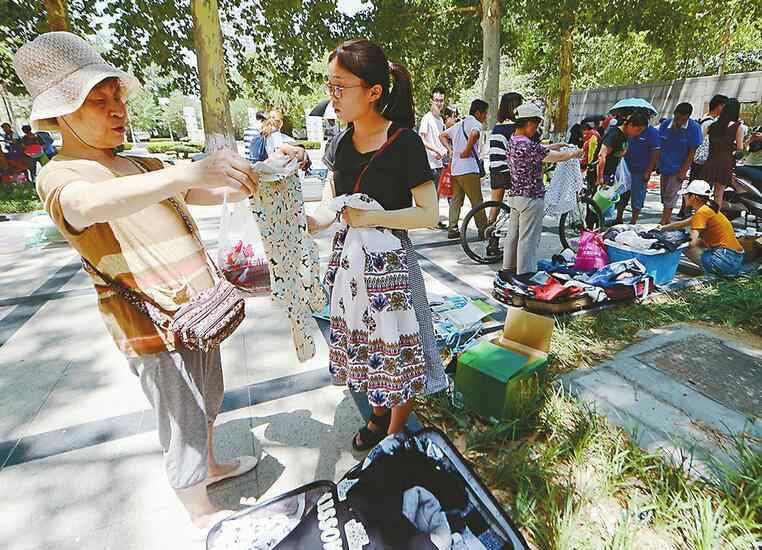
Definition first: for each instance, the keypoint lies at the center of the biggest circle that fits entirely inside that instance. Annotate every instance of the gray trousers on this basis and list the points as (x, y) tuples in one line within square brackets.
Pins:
[(185, 389), (524, 232)]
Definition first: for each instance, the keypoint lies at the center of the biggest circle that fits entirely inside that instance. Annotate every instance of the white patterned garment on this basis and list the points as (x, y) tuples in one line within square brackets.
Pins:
[(565, 184), (375, 342), (293, 256)]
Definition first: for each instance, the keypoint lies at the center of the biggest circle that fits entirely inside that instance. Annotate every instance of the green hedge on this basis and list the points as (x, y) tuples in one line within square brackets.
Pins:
[(17, 198), (309, 144), (180, 148)]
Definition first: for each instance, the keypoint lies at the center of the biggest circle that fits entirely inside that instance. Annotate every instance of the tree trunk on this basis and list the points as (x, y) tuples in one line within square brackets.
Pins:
[(58, 15), (492, 11), (565, 77), (725, 46), (215, 96)]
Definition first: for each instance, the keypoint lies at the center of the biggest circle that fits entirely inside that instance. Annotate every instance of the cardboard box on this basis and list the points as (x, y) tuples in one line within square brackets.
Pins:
[(752, 247), (495, 377)]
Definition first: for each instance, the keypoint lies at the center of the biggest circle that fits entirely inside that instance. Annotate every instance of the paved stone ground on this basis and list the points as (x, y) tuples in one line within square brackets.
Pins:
[(81, 465), (682, 391)]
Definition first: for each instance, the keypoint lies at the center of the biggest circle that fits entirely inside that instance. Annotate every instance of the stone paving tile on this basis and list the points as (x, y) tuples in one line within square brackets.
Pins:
[(697, 360)]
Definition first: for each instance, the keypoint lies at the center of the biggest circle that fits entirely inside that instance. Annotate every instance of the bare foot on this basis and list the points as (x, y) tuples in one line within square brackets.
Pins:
[(205, 521), (223, 469)]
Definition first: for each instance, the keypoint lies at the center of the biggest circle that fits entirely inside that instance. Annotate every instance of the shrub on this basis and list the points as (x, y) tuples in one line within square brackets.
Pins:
[(308, 144), (167, 146)]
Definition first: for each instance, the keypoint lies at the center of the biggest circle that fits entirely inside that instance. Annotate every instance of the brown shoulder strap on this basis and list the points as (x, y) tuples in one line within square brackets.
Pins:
[(386, 144)]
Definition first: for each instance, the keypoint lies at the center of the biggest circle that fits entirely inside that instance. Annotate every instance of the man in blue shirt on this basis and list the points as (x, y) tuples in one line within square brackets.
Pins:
[(641, 158), (680, 137)]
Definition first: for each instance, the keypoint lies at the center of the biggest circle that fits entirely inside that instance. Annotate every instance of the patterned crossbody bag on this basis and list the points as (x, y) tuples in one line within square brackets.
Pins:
[(205, 320)]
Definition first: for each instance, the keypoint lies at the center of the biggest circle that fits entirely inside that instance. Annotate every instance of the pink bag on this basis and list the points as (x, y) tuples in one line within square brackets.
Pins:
[(592, 253)]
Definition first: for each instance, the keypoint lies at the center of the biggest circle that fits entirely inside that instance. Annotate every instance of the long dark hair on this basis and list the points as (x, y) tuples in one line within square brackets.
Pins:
[(731, 112), (367, 61), (508, 104)]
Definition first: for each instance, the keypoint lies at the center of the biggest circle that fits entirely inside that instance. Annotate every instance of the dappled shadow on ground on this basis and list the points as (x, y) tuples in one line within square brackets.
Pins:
[(295, 430)]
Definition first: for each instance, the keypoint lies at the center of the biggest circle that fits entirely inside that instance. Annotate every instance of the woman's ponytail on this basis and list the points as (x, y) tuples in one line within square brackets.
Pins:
[(367, 60), (399, 107)]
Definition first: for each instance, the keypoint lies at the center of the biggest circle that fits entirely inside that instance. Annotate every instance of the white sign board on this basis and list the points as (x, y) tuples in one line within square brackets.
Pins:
[(315, 128)]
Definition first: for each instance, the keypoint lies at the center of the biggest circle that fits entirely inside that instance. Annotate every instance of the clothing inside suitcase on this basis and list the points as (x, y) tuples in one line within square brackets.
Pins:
[(411, 492)]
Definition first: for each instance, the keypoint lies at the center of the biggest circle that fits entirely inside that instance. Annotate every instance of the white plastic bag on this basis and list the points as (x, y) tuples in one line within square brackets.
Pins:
[(622, 178), (240, 254)]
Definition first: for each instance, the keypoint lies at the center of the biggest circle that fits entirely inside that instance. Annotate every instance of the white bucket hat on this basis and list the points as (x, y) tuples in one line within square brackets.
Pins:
[(528, 110), (59, 69)]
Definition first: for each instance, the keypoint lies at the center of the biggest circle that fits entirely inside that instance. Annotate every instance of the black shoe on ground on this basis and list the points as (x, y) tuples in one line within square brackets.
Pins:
[(453, 234), (442, 225)]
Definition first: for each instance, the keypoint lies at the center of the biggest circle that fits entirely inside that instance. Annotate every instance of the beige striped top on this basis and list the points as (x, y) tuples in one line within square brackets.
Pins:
[(151, 251)]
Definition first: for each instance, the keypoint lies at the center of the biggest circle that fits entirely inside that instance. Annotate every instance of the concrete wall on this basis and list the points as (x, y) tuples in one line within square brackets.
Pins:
[(747, 87)]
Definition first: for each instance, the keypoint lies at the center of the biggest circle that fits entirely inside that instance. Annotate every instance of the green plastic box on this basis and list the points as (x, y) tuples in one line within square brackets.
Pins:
[(496, 378), (490, 377)]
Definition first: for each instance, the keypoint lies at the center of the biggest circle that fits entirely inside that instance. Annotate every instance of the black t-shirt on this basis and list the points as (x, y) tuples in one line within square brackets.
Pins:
[(402, 166), (617, 141)]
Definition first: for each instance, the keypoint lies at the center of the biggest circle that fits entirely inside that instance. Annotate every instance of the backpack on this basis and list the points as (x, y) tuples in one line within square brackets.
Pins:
[(702, 151), (258, 149)]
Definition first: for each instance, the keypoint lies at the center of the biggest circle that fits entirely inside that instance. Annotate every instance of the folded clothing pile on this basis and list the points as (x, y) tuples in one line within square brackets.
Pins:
[(560, 282), (635, 238)]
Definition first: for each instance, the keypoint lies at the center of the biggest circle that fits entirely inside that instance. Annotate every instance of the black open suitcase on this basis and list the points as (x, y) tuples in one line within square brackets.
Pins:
[(324, 516)]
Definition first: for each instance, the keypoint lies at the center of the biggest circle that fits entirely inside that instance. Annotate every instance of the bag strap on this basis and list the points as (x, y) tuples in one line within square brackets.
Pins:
[(183, 215), (132, 297), (386, 144), (465, 135)]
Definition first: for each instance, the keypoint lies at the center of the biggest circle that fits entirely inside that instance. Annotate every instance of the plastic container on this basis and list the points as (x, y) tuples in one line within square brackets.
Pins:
[(605, 198), (662, 267)]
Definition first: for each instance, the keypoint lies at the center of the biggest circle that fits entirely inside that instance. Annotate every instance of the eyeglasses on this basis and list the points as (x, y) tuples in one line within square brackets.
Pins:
[(338, 91)]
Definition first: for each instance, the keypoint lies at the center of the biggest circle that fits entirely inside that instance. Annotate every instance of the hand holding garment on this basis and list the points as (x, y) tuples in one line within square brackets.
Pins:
[(375, 342), (565, 184), (293, 255)]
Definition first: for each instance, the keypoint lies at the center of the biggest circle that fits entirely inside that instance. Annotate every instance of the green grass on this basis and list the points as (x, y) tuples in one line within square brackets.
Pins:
[(570, 479), (16, 199)]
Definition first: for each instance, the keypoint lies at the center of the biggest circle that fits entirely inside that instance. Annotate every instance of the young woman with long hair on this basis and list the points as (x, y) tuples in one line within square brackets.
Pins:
[(725, 139), (379, 157)]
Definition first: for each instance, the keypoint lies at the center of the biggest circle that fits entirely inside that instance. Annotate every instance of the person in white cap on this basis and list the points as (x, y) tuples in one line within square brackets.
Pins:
[(527, 192), (713, 244), (125, 216)]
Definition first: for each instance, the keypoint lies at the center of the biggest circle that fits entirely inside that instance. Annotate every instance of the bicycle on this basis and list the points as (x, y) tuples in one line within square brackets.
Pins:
[(487, 248)]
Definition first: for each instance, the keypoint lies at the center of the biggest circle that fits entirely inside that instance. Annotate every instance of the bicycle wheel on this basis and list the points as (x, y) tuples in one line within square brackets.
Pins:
[(489, 249), (585, 216)]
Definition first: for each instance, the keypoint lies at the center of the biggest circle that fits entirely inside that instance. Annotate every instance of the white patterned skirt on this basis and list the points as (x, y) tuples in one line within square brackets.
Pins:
[(381, 334)]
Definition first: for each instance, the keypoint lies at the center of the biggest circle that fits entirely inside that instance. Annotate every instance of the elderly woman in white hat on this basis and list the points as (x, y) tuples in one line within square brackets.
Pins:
[(527, 191), (127, 217)]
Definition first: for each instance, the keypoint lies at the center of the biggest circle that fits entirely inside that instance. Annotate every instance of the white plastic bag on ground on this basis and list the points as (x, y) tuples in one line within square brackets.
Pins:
[(240, 254)]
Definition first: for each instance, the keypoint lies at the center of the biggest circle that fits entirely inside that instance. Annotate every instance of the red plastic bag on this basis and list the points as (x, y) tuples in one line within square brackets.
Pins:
[(444, 185), (591, 254)]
